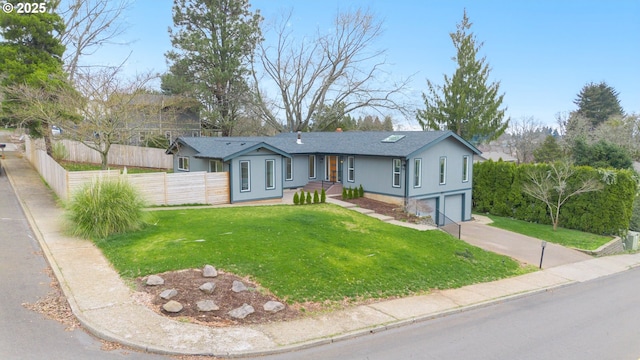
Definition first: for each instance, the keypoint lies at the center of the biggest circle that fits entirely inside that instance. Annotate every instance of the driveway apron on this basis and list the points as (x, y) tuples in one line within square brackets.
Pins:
[(520, 247)]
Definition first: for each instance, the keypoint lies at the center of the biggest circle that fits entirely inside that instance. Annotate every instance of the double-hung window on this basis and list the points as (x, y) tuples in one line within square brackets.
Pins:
[(465, 168), (288, 168), (216, 166), (351, 173), (312, 166), (417, 173), (270, 175), (397, 167), (183, 163), (443, 170), (245, 176)]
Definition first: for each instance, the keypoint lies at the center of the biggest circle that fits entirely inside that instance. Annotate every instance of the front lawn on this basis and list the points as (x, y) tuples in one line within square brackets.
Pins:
[(566, 237), (306, 253)]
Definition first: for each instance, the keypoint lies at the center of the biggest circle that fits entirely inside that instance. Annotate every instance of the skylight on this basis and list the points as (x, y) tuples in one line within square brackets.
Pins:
[(393, 138)]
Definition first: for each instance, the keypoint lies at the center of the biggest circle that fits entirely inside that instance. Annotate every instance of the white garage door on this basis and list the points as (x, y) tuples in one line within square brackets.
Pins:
[(453, 207)]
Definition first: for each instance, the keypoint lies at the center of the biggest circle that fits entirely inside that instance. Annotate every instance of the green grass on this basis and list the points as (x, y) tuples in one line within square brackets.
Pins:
[(76, 166), (566, 237), (315, 253)]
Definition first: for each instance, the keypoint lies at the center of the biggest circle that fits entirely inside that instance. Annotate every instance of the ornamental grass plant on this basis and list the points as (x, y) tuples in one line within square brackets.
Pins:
[(105, 207)]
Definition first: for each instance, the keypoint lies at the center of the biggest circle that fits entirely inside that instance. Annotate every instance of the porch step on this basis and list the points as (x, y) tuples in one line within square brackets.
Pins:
[(329, 187)]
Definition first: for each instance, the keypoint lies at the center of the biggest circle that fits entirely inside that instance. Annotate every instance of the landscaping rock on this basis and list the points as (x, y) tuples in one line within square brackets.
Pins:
[(273, 306), (172, 307), (154, 280), (242, 312), (168, 294), (238, 286), (209, 271), (208, 287), (207, 305)]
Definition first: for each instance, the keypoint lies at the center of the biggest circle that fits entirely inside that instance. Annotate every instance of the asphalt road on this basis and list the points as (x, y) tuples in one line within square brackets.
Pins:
[(25, 334), (599, 319)]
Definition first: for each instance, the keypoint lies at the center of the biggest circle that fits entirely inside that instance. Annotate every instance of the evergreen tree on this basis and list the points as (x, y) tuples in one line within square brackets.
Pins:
[(598, 103), (602, 154), (213, 44), (30, 63), (549, 151), (466, 104)]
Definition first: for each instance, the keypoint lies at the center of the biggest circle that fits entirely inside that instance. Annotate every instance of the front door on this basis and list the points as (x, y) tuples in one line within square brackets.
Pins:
[(331, 169)]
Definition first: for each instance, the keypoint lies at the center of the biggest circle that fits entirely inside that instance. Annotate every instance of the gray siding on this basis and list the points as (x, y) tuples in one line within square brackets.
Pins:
[(195, 164), (375, 174), (300, 172), (258, 177)]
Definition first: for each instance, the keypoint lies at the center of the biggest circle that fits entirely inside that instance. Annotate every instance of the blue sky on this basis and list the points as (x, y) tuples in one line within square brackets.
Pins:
[(542, 52)]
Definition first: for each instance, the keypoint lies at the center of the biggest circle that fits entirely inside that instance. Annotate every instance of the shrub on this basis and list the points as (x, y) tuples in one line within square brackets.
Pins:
[(350, 193), (360, 191), (345, 195), (316, 197), (323, 196), (296, 199), (59, 152), (302, 197), (634, 225), (309, 197), (102, 208), (356, 193)]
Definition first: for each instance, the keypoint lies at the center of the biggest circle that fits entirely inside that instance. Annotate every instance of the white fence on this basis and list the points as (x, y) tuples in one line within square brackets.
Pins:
[(124, 155), (158, 188)]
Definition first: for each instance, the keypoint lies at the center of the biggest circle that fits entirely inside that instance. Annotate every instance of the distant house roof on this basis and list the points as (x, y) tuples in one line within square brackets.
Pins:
[(373, 143)]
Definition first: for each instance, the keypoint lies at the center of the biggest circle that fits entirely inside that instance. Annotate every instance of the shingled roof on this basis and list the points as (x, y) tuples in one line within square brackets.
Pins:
[(372, 143)]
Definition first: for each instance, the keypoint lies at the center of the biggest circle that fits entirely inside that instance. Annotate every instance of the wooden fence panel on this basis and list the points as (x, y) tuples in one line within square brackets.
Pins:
[(151, 186), (76, 179), (217, 190), (186, 188), (124, 155)]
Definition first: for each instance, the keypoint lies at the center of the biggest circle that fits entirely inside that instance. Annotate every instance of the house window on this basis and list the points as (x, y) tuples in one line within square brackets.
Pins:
[(397, 166), (271, 174), (183, 163), (465, 168), (351, 173), (312, 166), (417, 173), (167, 135), (245, 176), (216, 166), (443, 170), (195, 133), (288, 168)]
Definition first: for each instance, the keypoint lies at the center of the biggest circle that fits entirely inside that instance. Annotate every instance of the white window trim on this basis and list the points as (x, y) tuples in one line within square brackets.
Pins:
[(273, 174), (288, 164), (417, 176), (465, 168), (312, 167), (394, 172), (442, 173), (351, 169), (181, 163), (248, 175)]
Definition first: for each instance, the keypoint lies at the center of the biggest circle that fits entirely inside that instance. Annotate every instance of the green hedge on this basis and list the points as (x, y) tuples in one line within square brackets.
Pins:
[(497, 190)]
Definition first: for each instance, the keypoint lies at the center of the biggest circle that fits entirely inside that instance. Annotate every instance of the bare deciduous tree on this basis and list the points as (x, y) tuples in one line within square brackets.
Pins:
[(551, 186), (338, 68), (525, 135), (89, 24), (111, 111)]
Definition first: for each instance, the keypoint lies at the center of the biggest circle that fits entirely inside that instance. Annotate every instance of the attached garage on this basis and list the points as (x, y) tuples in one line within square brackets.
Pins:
[(453, 207)]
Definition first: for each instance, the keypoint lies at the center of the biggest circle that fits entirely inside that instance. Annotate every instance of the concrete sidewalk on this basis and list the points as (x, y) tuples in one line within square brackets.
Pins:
[(106, 306)]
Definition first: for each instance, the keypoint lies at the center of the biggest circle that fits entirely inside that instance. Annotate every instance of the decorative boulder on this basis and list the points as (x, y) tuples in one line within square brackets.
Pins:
[(209, 271), (207, 305), (172, 307), (168, 294), (273, 306), (242, 312), (154, 280), (238, 286), (208, 287)]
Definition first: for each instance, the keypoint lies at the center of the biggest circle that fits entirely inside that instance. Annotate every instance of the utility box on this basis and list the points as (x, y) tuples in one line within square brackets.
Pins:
[(631, 242)]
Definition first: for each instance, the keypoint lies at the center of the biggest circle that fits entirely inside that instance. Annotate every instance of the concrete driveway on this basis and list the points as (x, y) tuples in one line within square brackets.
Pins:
[(520, 247)]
